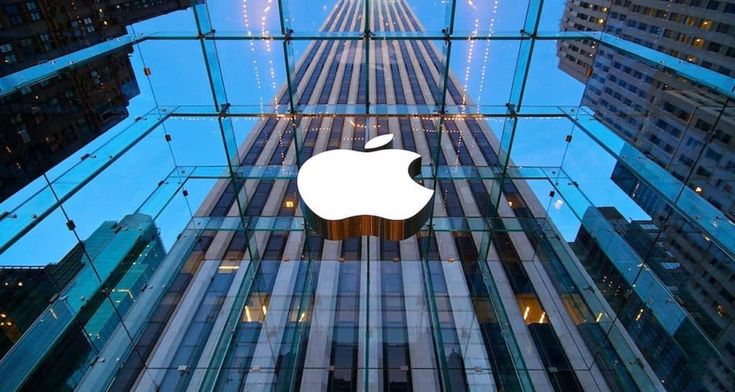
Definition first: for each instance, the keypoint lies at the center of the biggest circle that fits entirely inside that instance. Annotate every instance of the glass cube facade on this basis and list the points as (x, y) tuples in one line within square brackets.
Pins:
[(580, 237)]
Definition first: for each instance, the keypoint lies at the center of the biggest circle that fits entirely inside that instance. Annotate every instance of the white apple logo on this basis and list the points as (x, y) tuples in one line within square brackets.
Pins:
[(348, 193)]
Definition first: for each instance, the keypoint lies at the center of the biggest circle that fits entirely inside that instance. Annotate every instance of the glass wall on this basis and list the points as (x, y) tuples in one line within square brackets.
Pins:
[(152, 233)]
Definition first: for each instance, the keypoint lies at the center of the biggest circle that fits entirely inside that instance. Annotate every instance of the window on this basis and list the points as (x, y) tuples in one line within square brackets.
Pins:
[(692, 142), (714, 47), (686, 160), (13, 13), (89, 24), (33, 11), (702, 125), (713, 155), (7, 50)]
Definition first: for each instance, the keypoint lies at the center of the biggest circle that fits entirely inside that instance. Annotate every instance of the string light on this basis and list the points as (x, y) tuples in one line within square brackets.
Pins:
[(470, 51), (256, 71), (486, 53)]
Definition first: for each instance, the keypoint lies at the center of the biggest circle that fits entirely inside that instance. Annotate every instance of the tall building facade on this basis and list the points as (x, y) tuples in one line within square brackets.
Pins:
[(57, 318), (684, 127), (42, 124), (36, 31), (25, 293), (670, 356), (708, 291)]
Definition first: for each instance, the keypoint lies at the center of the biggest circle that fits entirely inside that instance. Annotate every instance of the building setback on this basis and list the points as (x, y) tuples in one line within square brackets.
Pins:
[(686, 128)]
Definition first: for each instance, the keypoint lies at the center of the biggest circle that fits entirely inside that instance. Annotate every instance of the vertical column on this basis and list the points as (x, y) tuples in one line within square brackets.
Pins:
[(319, 346), (370, 340), (424, 369), (465, 321), (160, 360), (267, 351), (478, 369)]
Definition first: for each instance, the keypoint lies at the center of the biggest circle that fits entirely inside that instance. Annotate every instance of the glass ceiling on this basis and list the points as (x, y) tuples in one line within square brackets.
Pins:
[(207, 74)]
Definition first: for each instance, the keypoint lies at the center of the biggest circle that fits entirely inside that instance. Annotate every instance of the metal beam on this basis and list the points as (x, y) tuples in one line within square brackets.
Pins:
[(37, 207), (452, 112), (37, 73), (280, 223), (718, 82)]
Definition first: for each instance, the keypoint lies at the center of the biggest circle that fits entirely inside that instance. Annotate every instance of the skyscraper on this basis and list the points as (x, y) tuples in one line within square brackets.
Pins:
[(35, 31), (42, 124), (55, 334), (25, 292), (709, 289), (684, 127), (649, 334)]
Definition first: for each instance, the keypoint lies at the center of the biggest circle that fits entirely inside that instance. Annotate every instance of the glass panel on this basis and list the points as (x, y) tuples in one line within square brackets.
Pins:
[(484, 71), (170, 62), (253, 72), (309, 18), (249, 17), (548, 84), (489, 18), (433, 18)]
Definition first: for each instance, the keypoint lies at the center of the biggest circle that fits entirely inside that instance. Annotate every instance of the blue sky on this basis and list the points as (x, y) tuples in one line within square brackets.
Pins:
[(254, 72)]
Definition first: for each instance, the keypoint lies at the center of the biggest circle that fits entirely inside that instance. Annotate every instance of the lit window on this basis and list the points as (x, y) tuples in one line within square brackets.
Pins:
[(720, 310)]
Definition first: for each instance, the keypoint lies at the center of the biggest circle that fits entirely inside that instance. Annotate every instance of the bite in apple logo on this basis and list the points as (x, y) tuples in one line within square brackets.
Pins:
[(348, 193)]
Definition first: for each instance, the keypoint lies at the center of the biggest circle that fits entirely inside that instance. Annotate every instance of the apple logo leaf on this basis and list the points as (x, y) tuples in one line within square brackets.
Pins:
[(381, 142), (347, 193)]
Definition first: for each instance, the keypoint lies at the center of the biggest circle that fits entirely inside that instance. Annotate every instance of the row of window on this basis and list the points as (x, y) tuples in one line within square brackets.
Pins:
[(18, 14)]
